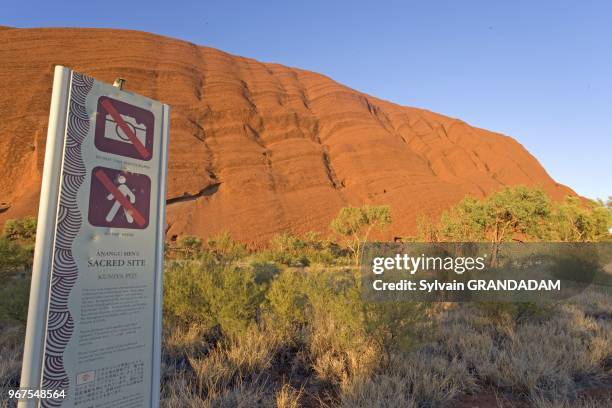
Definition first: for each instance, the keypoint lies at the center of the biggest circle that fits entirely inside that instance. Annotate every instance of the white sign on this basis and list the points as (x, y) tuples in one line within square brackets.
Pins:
[(94, 320)]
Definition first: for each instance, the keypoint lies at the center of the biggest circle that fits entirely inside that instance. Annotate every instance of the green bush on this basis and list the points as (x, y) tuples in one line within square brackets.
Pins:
[(23, 230), (225, 249), (265, 272), (14, 298), (302, 302), (15, 257), (220, 247), (574, 220), (206, 293), (190, 246), (287, 249), (16, 254), (288, 300), (520, 212), (309, 249)]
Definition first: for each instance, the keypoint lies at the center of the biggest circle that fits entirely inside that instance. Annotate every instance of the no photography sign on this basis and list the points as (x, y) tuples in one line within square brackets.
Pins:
[(94, 322)]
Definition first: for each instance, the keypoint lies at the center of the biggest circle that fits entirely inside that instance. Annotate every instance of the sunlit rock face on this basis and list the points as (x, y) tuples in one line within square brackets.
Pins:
[(255, 148)]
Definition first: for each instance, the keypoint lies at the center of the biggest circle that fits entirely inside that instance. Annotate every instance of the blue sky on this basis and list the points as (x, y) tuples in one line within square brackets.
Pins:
[(540, 71)]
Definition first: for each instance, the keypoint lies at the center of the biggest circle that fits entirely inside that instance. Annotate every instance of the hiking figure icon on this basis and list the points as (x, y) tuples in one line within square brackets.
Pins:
[(119, 199), (125, 190)]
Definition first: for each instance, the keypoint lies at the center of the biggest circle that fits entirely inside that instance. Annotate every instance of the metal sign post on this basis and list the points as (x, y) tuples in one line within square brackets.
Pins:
[(93, 334)]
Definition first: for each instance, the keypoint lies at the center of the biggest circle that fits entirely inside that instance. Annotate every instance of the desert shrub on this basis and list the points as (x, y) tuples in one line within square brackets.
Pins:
[(322, 311), (297, 297), (225, 248), (265, 272), (291, 250), (337, 308), (15, 271), (394, 324), (14, 298), (287, 249), (185, 295), (15, 257), (237, 301), (190, 246), (324, 251), (221, 248), (206, 293), (23, 230), (287, 300)]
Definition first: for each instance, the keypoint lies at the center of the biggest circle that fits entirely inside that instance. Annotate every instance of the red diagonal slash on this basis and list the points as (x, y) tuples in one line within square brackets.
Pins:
[(126, 129), (108, 184)]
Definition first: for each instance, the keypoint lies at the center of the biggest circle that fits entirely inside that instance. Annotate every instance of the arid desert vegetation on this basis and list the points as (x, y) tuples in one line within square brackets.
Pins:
[(287, 326)]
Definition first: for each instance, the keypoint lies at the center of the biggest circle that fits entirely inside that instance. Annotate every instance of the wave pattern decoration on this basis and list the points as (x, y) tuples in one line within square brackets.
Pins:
[(60, 324)]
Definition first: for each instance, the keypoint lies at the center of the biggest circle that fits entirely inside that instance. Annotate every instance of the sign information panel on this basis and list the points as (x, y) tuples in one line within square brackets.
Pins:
[(94, 322)]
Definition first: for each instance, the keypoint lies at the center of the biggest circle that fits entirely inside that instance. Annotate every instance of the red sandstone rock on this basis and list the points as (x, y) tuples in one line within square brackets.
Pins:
[(255, 148)]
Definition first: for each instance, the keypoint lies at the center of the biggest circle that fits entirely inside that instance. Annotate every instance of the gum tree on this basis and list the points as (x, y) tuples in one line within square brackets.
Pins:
[(355, 224)]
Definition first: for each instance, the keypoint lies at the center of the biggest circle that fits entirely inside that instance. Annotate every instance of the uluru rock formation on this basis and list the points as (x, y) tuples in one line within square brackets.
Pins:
[(256, 148)]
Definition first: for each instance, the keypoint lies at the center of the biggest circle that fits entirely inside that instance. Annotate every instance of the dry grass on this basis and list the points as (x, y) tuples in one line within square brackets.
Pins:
[(288, 397), (180, 393), (11, 345), (554, 358), (543, 361), (340, 360), (539, 402), (412, 379), (229, 373)]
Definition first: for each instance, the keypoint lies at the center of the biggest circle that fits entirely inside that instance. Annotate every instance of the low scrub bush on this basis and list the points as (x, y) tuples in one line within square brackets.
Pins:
[(309, 249), (14, 299), (16, 253), (21, 230), (15, 258), (205, 293)]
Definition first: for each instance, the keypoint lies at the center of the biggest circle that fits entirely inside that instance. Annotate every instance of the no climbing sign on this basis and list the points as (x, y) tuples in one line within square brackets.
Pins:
[(94, 319)]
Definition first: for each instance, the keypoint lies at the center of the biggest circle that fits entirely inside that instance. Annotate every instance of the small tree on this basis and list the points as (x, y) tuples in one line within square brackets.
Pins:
[(355, 224), (583, 222), (523, 212), (512, 211), (498, 218), (466, 221)]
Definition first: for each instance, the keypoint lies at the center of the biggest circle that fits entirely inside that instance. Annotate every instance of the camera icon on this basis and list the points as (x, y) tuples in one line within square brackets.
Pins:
[(113, 131), (124, 129)]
